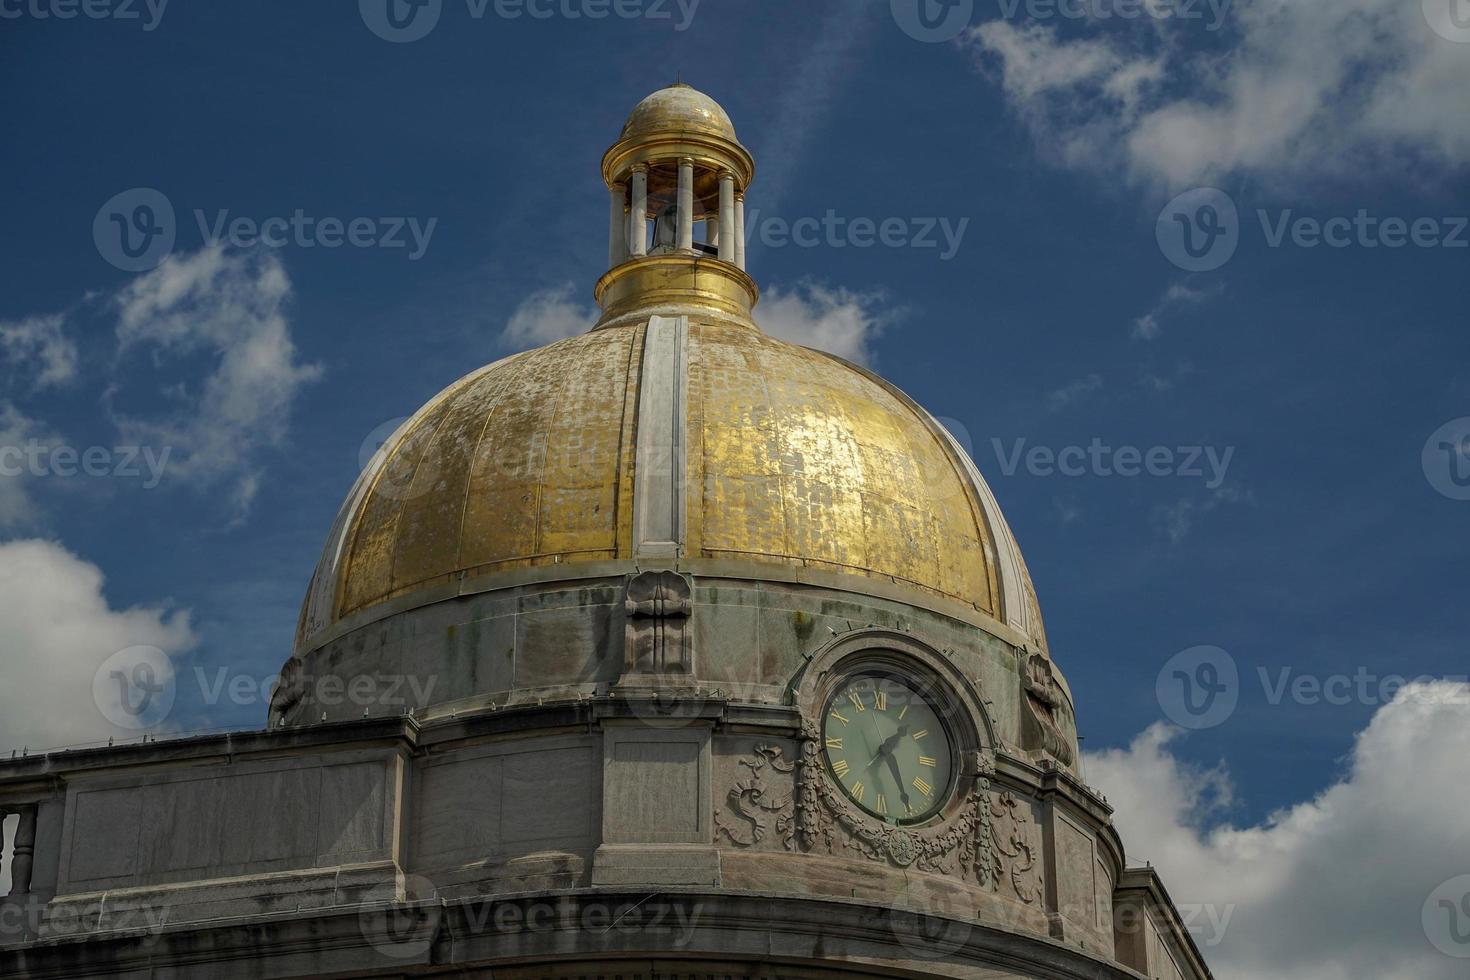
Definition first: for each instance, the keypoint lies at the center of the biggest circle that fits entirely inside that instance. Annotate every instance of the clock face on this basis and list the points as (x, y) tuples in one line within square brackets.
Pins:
[(887, 747)]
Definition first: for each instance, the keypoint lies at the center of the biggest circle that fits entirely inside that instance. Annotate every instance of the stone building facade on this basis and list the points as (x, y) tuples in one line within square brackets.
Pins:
[(719, 660)]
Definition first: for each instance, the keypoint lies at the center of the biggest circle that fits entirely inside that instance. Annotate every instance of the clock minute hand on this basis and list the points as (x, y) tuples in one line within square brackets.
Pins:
[(903, 796)]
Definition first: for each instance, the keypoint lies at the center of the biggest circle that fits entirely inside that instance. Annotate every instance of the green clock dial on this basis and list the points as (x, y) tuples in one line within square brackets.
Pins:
[(888, 748)]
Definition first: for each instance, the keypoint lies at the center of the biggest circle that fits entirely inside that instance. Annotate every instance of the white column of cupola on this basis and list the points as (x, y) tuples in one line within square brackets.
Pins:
[(638, 213), (684, 242), (646, 185), (727, 218)]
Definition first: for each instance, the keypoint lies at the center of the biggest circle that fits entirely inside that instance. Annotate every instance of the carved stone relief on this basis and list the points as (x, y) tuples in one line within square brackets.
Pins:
[(1016, 847), (989, 840), (1044, 717), (658, 606)]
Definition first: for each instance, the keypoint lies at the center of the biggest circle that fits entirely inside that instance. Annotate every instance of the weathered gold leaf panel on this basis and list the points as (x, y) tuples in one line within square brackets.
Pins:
[(793, 458)]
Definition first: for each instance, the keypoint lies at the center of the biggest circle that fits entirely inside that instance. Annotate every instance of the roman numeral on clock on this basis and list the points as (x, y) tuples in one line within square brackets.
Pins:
[(922, 786), (836, 743)]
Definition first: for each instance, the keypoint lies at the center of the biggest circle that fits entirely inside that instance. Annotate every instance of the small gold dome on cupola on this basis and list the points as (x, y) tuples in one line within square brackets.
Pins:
[(679, 108)]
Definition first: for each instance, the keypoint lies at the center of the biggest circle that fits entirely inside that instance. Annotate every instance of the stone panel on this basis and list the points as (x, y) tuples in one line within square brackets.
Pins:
[(656, 785), (493, 802), (226, 820), (105, 833), (1076, 862), (351, 825)]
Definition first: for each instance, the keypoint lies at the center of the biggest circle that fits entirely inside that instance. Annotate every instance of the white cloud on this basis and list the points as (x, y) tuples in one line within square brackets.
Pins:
[(38, 345), (1178, 295), (1071, 394), (1177, 520), (1303, 86), (56, 629), (229, 307), (17, 434), (834, 320), (547, 316), (1328, 889)]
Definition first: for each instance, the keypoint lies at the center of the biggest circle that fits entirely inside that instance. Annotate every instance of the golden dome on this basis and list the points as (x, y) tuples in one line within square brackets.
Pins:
[(795, 464), (674, 434), (678, 109)]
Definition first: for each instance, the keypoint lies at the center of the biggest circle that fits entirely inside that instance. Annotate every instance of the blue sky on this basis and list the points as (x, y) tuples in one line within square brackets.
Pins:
[(1324, 548)]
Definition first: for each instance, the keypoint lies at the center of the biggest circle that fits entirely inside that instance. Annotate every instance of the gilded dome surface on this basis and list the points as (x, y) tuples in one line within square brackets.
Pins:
[(678, 108), (791, 458)]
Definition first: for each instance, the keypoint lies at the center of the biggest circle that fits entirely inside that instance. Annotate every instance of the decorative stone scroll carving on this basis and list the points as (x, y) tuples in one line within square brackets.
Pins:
[(1015, 850), (808, 813), (290, 689), (1044, 711), (658, 606)]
